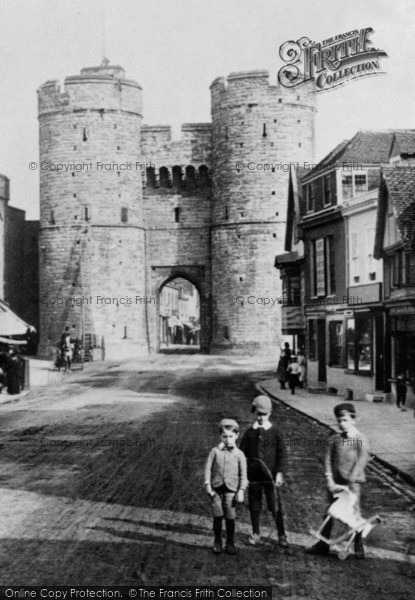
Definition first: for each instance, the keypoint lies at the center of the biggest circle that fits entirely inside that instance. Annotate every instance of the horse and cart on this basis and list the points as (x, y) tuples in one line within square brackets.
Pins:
[(69, 355)]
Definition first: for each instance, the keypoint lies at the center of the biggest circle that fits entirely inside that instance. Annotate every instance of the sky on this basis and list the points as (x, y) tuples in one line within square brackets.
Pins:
[(176, 48)]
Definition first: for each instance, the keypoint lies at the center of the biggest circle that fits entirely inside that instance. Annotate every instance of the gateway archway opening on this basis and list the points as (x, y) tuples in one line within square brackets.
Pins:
[(179, 317)]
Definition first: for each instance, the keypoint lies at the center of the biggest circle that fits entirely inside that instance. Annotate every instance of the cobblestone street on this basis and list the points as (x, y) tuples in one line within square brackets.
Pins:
[(101, 482)]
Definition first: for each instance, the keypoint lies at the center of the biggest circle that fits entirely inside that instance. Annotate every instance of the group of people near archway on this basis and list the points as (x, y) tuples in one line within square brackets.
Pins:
[(291, 368), (11, 371)]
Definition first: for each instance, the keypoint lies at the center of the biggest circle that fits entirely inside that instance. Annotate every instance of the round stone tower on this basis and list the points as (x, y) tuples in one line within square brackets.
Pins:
[(92, 238), (258, 130)]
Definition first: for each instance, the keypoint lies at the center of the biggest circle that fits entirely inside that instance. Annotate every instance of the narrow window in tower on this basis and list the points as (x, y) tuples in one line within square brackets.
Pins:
[(87, 212), (226, 213), (275, 120), (177, 177), (226, 332), (203, 176), (124, 214), (52, 218), (273, 193), (177, 215), (226, 133), (164, 177), (264, 130), (84, 138), (190, 177), (151, 177)]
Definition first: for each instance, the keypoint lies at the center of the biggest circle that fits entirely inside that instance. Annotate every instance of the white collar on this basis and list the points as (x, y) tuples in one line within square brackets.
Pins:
[(265, 426), (223, 447)]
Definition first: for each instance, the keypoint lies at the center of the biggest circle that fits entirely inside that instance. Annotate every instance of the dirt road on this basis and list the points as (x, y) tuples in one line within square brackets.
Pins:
[(101, 483)]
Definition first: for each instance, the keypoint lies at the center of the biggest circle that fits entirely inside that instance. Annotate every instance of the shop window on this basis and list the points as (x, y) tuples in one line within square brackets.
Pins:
[(312, 339), (335, 343), (359, 344)]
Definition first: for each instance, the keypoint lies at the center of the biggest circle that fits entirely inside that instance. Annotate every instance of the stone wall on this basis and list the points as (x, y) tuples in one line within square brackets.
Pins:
[(92, 241), (258, 129)]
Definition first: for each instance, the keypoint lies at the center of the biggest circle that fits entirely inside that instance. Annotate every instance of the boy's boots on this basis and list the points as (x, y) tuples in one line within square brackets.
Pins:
[(322, 548), (217, 532), (230, 532), (359, 550)]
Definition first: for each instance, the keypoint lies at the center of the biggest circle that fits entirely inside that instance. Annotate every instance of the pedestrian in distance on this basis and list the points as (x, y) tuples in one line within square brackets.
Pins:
[(282, 368), (346, 458), (264, 449), (225, 483), (401, 390), (302, 363), (293, 374)]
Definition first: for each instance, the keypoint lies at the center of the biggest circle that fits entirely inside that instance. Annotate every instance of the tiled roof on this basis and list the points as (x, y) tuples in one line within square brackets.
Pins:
[(405, 141), (367, 147), (400, 182)]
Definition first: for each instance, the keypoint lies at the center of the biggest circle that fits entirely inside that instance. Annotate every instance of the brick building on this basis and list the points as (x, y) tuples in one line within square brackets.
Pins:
[(331, 226), (205, 208), (19, 287), (395, 243)]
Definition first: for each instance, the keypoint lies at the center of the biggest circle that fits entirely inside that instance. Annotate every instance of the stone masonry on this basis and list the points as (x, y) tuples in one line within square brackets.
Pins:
[(204, 208)]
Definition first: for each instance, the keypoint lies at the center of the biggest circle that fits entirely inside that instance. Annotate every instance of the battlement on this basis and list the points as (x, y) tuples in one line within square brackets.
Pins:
[(104, 70), (256, 86), (104, 88), (4, 188)]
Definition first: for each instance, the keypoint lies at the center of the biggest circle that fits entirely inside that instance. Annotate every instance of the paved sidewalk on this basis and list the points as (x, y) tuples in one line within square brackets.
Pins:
[(391, 432)]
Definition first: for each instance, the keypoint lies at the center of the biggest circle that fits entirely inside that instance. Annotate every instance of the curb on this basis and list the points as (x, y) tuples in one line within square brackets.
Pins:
[(377, 459)]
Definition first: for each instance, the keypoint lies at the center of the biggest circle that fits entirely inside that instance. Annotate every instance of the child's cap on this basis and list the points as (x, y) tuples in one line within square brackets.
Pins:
[(345, 407), (229, 423), (262, 403)]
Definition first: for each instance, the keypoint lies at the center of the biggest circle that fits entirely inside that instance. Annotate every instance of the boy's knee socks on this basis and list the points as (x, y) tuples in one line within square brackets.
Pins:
[(279, 522), (230, 530), (217, 528), (255, 515)]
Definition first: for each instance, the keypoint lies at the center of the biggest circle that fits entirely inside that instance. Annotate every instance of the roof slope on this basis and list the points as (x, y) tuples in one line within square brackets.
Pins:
[(400, 183)]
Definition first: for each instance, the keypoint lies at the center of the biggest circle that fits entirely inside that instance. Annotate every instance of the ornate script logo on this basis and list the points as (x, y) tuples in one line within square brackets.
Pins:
[(333, 62)]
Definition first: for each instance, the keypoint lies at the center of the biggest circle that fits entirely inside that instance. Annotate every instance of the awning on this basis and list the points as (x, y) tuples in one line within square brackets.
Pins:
[(11, 324), (12, 342), (174, 322)]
